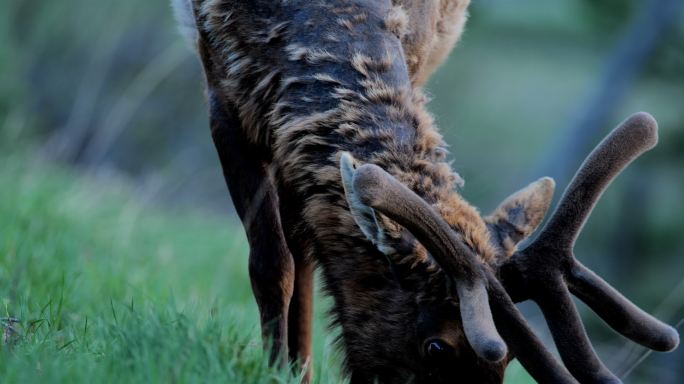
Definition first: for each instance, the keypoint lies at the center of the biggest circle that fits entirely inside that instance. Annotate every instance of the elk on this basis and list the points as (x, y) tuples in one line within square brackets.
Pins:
[(332, 160)]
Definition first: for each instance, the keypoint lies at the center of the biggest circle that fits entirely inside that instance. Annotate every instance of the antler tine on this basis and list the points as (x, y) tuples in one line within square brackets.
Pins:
[(379, 190), (620, 313), (546, 269), (631, 138), (569, 335), (527, 276), (524, 344)]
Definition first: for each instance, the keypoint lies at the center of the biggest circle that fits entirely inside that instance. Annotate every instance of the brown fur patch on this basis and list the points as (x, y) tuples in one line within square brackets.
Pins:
[(433, 29), (397, 21), (305, 92), (465, 219), (311, 55)]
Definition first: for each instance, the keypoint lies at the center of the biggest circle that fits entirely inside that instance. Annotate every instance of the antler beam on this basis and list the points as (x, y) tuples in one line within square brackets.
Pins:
[(547, 271), (381, 191), (524, 344)]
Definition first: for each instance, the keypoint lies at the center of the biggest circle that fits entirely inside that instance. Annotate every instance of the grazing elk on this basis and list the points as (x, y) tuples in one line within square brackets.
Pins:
[(331, 158)]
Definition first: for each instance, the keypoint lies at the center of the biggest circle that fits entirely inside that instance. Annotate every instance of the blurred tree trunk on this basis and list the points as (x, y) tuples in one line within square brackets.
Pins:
[(591, 120), (641, 37)]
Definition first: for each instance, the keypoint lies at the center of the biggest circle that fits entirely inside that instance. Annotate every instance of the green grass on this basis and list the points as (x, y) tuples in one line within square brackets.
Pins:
[(107, 288), (110, 290)]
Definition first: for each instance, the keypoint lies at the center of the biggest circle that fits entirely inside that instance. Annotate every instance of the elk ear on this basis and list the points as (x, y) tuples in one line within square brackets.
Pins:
[(364, 216), (520, 214)]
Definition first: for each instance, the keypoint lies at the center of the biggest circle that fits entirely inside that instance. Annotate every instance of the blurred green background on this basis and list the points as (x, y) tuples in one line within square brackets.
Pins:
[(122, 260)]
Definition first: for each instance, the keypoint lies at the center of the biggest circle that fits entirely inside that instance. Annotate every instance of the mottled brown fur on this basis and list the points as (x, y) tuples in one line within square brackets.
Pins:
[(300, 100), (292, 84), (434, 27)]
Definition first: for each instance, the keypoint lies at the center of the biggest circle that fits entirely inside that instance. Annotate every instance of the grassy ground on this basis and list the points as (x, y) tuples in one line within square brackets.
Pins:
[(107, 288)]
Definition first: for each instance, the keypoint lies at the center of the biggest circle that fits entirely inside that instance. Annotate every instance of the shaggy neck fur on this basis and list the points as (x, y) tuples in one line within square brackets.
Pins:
[(311, 79)]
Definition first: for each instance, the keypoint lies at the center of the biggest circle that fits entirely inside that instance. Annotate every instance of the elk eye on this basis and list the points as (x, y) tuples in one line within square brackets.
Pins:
[(436, 349)]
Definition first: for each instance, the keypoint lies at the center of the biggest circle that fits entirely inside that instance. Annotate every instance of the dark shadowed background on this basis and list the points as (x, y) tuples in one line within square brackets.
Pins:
[(110, 95)]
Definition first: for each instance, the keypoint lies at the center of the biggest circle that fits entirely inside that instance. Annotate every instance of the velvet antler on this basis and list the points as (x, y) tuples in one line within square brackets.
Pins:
[(476, 284), (547, 271), (379, 190)]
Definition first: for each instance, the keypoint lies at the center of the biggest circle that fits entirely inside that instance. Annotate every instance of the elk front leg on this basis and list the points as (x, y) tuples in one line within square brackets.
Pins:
[(301, 306), (271, 266), (271, 269), (300, 315)]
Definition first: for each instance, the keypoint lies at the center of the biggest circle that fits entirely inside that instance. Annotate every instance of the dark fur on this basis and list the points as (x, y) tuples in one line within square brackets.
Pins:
[(292, 84), (306, 82)]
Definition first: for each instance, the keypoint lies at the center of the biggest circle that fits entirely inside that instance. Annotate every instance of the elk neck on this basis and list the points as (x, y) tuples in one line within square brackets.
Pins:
[(311, 79)]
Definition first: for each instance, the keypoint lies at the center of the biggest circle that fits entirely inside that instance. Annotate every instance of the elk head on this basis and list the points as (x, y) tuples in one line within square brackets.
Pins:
[(474, 329)]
